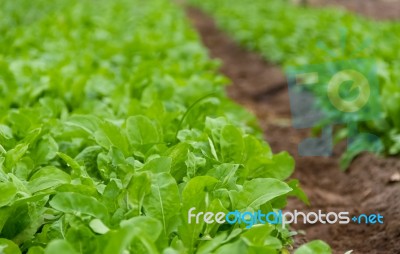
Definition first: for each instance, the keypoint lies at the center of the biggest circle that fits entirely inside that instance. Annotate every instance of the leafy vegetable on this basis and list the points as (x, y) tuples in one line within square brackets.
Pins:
[(312, 247), (113, 125)]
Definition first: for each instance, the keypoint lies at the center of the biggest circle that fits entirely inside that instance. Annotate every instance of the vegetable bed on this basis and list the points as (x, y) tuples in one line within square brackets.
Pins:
[(114, 123), (300, 37)]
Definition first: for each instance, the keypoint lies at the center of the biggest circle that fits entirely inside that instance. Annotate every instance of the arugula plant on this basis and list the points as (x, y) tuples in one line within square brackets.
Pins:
[(113, 124), (297, 36)]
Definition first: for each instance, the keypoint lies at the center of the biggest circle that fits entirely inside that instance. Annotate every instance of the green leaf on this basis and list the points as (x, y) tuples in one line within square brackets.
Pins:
[(14, 155), (45, 150), (164, 202), (261, 236), (158, 165), (142, 131), (237, 247), (8, 247), (258, 192), (231, 144), (82, 238), (5, 132), (196, 190), (145, 229), (138, 187), (75, 203), (36, 250), (255, 148), (47, 177), (98, 226), (193, 163), (178, 154), (89, 123), (226, 174), (196, 194), (110, 135), (60, 247), (8, 192), (316, 246), (282, 167), (208, 246), (5, 213), (110, 196), (71, 163)]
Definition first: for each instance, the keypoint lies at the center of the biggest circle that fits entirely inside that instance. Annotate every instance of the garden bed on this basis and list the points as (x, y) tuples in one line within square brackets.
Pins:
[(366, 187)]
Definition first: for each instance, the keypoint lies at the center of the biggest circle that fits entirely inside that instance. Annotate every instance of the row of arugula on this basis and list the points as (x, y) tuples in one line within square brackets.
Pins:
[(113, 124), (294, 36)]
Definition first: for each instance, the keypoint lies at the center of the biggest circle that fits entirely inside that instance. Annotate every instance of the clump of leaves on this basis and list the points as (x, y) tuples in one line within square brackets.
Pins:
[(113, 124)]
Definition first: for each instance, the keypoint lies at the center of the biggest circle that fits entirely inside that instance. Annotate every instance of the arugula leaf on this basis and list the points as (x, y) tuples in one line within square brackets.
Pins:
[(142, 131), (316, 246), (75, 203), (258, 192), (8, 247), (163, 203), (8, 192), (60, 246)]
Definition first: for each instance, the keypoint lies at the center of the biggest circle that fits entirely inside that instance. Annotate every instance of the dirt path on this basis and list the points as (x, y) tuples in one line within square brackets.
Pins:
[(377, 9), (364, 188)]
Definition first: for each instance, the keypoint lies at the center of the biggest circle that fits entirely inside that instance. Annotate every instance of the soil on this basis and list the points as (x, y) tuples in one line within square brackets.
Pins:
[(368, 186), (377, 9)]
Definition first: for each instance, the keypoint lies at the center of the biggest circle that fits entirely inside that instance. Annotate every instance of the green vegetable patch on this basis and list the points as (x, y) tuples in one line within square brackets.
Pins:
[(113, 124)]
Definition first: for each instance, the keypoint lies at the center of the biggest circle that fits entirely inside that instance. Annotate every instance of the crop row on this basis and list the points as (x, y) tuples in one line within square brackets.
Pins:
[(327, 41), (113, 124)]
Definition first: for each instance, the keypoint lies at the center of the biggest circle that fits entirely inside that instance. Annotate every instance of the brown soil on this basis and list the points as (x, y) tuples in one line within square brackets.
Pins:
[(364, 188), (378, 9)]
